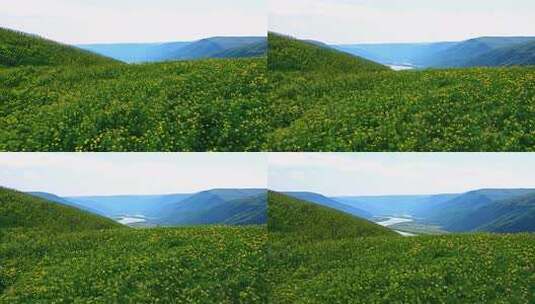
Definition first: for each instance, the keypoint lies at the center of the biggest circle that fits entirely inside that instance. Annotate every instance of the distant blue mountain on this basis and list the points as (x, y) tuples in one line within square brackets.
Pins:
[(483, 51), (414, 205), (216, 47), (134, 52), (219, 206), (216, 206), (112, 206), (331, 203), (492, 210)]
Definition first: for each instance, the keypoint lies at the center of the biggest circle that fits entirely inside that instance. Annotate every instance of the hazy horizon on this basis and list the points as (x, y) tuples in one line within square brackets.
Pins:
[(110, 174), (394, 21), (383, 174), (135, 21)]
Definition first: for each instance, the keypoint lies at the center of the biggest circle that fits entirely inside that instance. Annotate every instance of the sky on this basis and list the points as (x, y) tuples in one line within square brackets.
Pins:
[(339, 174), (79, 174), (113, 21), (375, 21)]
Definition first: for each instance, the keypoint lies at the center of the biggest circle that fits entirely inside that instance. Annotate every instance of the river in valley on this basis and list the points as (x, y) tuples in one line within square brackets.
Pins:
[(126, 220), (396, 220), (400, 67)]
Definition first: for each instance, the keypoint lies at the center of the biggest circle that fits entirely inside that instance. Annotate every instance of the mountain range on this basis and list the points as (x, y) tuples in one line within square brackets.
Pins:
[(491, 210), (482, 51), (214, 47), (216, 206)]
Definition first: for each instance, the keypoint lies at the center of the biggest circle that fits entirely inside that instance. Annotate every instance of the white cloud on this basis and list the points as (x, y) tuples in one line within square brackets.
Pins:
[(400, 21), (77, 21), (399, 173), (131, 173)]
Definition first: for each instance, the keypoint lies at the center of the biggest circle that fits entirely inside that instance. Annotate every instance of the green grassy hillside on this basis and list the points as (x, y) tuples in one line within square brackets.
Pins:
[(51, 252), (21, 49), (204, 105), (22, 211), (187, 265), (476, 109), (288, 54), (309, 221), (383, 268)]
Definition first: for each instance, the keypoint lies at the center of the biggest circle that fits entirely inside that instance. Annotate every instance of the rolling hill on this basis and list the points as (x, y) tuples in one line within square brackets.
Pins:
[(475, 210), (489, 210), (216, 47), (324, 100), (208, 264), (218, 206), (518, 54), (331, 203), (304, 220), (51, 252), (75, 104), (21, 49), (337, 260), (289, 54), (481, 51), (24, 211)]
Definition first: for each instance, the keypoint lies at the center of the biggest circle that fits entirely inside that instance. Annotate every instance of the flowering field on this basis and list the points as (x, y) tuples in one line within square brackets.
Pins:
[(206, 105), (343, 107), (183, 265), (479, 268), (314, 258)]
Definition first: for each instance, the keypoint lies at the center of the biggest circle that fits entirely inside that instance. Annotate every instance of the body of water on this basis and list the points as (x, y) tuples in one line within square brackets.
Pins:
[(125, 220), (396, 220), (400, 67)]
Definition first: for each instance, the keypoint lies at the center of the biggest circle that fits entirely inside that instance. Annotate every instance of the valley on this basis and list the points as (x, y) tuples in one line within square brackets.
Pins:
[(215, 206), (488, 210), (50, 250), (309, 250), (281, 249), (327, 100), (481, 51)]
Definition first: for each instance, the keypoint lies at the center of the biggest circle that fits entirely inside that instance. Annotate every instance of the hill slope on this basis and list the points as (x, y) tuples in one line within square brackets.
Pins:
[(218, 206), (305, 220), (477, 52), (20, 210), (508, 216), (466, 212), (289, 54), (172, 265), (216, 47), (354, 269), (21, 49), (520, 54), (327, 202), (173, 106)]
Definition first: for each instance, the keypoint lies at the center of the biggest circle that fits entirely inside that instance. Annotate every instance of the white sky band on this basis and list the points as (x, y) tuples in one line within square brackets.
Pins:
[(374, 21), (105, 21), (73, 174)]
